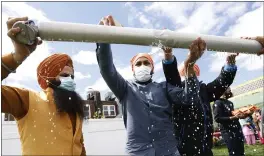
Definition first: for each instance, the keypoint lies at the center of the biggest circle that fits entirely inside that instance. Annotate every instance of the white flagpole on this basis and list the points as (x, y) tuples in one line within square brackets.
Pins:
[(75, 32)]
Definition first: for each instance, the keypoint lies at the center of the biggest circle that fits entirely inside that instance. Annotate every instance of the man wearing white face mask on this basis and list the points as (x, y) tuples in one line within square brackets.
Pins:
[(143, 67), (146, 107), (49, 122)]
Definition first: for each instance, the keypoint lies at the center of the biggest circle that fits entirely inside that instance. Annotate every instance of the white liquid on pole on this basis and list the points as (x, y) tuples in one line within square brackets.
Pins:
[(74, 32)]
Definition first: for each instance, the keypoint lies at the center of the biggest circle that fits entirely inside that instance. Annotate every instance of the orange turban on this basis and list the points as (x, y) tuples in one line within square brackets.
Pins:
[(146, 55), (195, 68), (51, 67)]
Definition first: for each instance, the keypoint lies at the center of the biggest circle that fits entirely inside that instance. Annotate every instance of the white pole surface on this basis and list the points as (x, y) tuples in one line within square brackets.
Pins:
[(75, 32)]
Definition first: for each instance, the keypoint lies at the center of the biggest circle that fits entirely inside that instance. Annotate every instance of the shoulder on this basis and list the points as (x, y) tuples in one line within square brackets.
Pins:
[(218, 102)]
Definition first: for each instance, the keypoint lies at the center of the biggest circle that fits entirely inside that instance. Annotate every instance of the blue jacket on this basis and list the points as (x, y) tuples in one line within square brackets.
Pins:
[(150, 131)]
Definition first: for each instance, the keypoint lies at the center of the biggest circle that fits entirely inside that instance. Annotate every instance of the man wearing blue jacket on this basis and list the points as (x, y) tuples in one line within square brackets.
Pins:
[(150, 130)]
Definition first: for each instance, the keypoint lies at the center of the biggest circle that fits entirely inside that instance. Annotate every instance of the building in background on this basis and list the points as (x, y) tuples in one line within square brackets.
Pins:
[(110, 96), (250, 92), (94, 107)]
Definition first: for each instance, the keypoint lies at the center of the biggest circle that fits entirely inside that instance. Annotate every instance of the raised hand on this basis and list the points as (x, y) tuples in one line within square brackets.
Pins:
[(107, 21), (197, 49), (167, 53), (21, 50), (231, 58), (260, 39)]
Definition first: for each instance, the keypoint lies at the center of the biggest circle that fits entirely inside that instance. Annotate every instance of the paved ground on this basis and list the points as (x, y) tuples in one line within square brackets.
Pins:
[(102, 137)]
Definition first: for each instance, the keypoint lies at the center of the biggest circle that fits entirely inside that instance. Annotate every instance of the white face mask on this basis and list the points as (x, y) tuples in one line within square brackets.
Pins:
[(142, 73)]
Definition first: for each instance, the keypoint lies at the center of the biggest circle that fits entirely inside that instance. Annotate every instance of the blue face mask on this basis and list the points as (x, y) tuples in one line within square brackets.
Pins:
[(67, 83)]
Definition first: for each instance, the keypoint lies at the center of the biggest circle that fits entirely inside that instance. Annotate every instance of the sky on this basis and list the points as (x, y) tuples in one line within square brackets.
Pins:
[(232, 19)]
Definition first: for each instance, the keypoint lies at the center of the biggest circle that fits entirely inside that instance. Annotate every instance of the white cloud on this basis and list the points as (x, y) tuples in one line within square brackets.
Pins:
[(23, 9), (80, 76), (85, 57), (17, 84), (135, 14), (221, 6), (143, 19), (244, 28), (256, 5), (250, 24), (244, 61), (27, 70), (236, 10), (217, 61), (197, 17), (125, 72), (99, 85), (176, 11), (252, 62)]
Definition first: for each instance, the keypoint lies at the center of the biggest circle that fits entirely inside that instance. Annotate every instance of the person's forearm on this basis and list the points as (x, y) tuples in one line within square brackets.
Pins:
[(15, 101), (190, 71), (224, 119), (171, 72), (216, 88), (108, 71), (233, 118), (168, 56), (20, 57), (10, 62)]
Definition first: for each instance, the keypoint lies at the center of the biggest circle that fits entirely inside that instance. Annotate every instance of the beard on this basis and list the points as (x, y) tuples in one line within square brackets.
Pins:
[(68, 101)]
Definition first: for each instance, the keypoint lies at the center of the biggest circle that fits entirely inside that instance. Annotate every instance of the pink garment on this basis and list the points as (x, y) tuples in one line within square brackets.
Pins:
[(261, 139), (247, 130), (250, 139)]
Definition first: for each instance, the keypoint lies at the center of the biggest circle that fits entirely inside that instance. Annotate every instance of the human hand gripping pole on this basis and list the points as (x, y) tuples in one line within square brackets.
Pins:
[(21, 51)]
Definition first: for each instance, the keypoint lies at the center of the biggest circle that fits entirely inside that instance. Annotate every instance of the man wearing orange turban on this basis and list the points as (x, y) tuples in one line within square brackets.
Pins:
[(142, 66), (147, 112), (49, 122), (196, 120)]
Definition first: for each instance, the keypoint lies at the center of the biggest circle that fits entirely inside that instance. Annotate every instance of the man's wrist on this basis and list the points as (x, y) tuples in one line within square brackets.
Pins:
[(168, 56), (230, 63), (18, 57), (233, 117), (168, 61), (188, 64), (230, 67)]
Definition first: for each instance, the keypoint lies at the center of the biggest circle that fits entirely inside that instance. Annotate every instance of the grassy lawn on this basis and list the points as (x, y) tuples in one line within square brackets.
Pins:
[(252, 150)]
